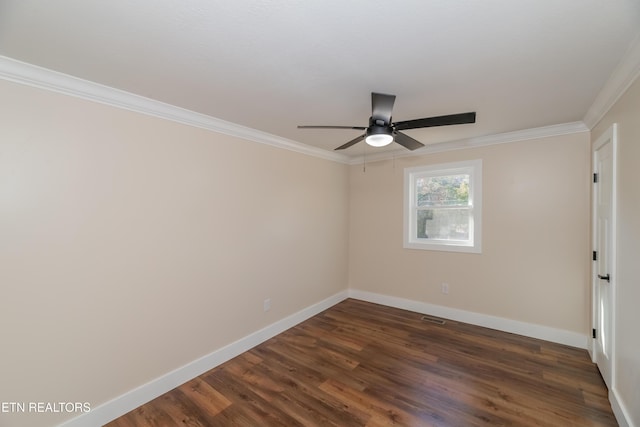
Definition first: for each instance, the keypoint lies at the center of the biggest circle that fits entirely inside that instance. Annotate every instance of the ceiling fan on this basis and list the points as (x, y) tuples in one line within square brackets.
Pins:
[(382, 131)]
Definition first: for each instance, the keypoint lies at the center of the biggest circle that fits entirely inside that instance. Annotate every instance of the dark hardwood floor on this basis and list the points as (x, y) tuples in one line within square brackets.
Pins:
[(362, 364)]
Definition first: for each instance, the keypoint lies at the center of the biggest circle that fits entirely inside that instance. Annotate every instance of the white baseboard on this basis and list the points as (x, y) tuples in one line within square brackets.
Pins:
[(619, 410), (546, 333), (127, 402)]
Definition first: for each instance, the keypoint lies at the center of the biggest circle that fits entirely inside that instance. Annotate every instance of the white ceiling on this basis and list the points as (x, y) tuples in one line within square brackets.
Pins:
[(274, 64)]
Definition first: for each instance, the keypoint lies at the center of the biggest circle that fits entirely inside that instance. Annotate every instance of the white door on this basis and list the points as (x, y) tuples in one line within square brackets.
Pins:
[(604, 252)]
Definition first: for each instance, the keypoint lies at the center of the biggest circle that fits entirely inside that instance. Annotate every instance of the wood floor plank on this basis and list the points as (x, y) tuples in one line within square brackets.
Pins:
[(362, 364), (205, 396)]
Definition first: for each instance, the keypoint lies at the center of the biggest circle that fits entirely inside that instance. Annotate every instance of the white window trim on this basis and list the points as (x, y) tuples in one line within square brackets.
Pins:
[(471, 167)]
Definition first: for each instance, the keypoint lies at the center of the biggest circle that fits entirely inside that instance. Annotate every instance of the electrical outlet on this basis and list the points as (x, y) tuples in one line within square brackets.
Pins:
[(445, 288), (267, 304)]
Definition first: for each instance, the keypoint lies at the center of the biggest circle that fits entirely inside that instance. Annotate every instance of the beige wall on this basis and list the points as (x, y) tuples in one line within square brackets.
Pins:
[(130, 245), (626, 112), (534, 266)]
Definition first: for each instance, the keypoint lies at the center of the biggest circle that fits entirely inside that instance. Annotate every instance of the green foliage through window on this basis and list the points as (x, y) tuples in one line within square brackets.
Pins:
[(452, 190)]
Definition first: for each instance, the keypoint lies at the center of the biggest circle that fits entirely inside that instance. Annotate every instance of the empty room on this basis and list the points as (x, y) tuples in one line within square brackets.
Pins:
[(337, 213)]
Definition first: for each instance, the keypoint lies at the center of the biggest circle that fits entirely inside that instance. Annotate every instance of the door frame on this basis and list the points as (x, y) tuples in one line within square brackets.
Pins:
[(608, 136)]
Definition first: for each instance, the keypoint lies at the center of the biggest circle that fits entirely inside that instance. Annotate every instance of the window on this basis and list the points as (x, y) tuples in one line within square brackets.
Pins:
[(443, 207)]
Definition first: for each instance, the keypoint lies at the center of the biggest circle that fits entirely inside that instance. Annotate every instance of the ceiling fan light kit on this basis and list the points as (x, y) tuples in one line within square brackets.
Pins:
[(379, 136), (382, 132)]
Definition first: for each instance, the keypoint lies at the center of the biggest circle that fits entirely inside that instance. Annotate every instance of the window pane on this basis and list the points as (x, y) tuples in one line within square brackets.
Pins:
[(443, 224), (447, 190)]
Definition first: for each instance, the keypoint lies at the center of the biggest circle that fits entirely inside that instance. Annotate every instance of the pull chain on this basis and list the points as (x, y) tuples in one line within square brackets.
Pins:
[(364, 158)]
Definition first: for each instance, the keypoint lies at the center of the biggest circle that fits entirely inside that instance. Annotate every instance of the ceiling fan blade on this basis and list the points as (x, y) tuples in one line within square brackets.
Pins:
[(406, 141), (332, 127), (350, 143), (381, 107), (452, 119)]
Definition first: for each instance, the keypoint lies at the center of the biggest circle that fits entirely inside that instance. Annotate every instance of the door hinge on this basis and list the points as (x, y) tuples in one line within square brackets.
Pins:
[(595, 178), (593, 333), (595, 256)]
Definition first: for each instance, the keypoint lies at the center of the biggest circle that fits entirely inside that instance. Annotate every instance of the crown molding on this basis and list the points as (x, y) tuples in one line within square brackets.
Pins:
[(482, 141), (16, 71), (622, 77), (43, 78)]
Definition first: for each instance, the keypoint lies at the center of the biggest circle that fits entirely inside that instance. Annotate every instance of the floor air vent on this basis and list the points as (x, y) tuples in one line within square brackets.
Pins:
[(436, 320)]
